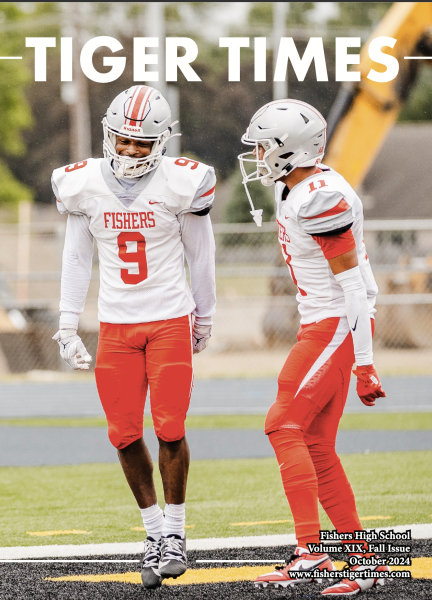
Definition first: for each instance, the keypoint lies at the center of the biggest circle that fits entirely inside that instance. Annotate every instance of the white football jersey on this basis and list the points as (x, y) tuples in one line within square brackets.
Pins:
[(141, 254), (322, 203)]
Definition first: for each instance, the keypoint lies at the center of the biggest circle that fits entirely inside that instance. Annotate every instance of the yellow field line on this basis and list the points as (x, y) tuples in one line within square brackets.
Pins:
[(420, 569), (192, 576), (377, 518), (260, 523), (64, 532)]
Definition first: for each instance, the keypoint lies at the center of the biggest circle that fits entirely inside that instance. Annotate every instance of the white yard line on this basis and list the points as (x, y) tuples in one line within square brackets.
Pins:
[(418, 531)]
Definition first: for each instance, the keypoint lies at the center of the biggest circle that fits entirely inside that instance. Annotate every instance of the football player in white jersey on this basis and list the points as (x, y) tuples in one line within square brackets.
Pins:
[(146, 212), (320, 221)]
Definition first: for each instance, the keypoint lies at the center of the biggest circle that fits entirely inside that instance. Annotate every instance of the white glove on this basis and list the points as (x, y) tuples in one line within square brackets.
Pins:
[(200, 337), (72, 350)]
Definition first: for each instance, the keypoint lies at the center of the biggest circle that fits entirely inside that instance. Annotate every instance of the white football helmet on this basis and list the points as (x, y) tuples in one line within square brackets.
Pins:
[(138, 113), (292, 133)]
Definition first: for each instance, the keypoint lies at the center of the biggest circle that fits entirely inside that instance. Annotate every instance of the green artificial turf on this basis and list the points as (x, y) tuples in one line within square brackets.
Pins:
[(95, 498), (377, 421), (380, 421)]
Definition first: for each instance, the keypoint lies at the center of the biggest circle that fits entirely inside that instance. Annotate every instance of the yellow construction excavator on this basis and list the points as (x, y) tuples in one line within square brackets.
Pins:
[(364, 112)]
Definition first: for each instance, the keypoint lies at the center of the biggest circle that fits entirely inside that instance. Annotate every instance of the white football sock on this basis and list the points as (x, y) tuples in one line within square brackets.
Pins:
[(174, 520), (153, 520)]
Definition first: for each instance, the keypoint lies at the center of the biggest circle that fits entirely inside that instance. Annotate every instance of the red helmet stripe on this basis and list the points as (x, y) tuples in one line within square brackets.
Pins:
[(130, 105), (144, 103), (138, 104)]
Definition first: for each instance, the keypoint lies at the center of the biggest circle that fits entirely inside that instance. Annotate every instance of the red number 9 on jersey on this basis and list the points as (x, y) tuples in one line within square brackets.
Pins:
[(184, 162), (76, 166), (133, 257)]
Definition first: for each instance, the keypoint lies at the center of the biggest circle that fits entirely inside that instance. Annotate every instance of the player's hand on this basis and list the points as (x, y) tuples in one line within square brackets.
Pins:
[(201, 335), (72, 350), (368, 385)]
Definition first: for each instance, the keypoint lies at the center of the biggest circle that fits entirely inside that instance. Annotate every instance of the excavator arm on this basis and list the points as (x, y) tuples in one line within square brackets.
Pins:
[(364, 112)]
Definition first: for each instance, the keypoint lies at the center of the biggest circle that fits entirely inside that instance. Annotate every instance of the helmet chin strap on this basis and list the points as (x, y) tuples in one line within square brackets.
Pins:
[(256, 213), (294, 164)]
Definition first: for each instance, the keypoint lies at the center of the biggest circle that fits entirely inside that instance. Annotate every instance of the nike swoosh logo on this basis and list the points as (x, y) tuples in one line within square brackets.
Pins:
[(311, 568), (355, 326), (151, 202)]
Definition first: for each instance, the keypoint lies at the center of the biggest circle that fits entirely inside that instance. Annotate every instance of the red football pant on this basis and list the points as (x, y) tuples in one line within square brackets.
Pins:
[(130, 358), (302, 426)]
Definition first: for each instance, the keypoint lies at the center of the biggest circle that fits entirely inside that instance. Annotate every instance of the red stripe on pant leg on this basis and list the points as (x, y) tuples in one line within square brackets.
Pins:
[(300, 483)]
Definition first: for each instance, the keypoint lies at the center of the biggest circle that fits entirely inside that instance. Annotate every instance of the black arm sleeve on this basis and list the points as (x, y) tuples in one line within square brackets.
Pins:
[(203, 212), (335, 231)]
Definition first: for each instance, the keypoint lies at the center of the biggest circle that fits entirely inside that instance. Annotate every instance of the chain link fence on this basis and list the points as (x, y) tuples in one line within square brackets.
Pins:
[(401, 256), (256, 310)]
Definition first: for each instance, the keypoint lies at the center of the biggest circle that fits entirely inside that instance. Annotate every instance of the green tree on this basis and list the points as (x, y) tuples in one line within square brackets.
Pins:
[(261, 13), (15, 113), (360, 14), (419, 104), (237, 209)]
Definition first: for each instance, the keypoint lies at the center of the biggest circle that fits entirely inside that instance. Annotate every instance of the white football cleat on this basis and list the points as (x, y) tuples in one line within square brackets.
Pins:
[(348, 587), (173, 561), (150, 575), (300, 561)]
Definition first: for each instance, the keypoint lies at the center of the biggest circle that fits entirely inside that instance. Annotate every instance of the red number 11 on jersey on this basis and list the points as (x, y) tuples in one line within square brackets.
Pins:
[(133, 257), (312, 187)]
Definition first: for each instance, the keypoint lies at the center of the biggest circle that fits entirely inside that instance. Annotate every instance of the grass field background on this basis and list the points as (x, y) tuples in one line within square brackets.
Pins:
[(373, 421), (95, 498)]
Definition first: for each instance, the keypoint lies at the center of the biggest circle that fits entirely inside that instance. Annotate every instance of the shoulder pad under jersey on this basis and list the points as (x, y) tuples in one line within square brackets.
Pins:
[(324, 211), (182, 179), (72, 184)]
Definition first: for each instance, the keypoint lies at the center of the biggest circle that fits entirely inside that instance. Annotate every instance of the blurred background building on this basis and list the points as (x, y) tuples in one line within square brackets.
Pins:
[(47, 124)]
